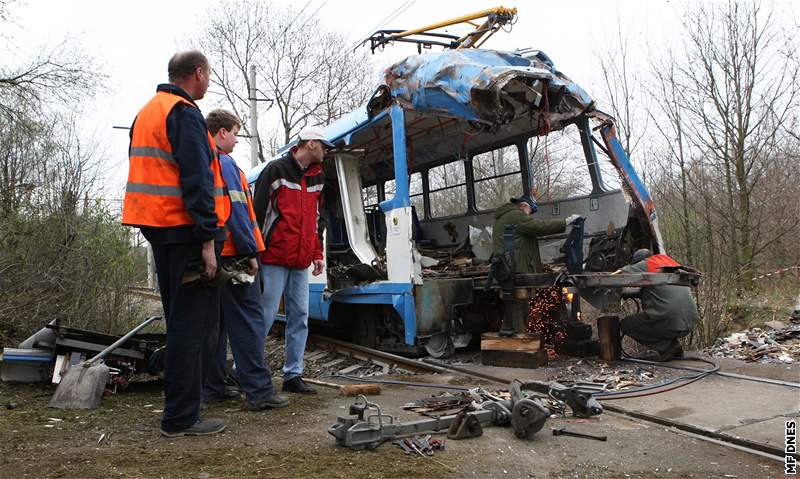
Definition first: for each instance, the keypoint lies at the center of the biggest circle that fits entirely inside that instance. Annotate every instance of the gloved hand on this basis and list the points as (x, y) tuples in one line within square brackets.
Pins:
[(571, 219)]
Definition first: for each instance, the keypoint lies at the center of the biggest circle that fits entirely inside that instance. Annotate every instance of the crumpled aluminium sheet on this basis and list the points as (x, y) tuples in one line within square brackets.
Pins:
[(486, 86)]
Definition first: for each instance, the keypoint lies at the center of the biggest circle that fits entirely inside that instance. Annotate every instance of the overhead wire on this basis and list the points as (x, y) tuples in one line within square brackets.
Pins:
[(394, 14)]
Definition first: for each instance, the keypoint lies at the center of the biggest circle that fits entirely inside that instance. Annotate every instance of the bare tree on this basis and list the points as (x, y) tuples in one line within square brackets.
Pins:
[(622, 91), (307, 72), (235, 38), (739, 87), (63, 73)]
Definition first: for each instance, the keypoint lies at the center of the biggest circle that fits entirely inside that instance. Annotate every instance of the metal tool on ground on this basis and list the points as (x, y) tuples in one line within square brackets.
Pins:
[(564, 432), (464, 426), (577, 397), (83, 384), (401, 443), (422, 445), (368, 426)]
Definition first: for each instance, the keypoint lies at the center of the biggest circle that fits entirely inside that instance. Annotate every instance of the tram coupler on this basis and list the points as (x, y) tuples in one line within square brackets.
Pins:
[(368, 427)]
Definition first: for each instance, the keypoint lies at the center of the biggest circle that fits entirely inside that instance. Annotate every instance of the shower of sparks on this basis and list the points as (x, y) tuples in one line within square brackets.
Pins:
[(544, 316)]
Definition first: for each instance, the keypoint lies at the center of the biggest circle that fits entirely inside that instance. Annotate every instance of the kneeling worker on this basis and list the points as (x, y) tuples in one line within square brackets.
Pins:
[(668, 311)]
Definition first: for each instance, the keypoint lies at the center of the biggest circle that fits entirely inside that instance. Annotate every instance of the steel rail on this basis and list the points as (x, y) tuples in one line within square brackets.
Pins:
[(365, 353)]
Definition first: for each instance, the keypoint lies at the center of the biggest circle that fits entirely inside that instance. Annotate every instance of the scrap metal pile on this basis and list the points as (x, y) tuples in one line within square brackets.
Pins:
[(777, 342), (368, 426)]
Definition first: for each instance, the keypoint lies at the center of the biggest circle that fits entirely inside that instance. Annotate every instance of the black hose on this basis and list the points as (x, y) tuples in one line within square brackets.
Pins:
[(647, 390)]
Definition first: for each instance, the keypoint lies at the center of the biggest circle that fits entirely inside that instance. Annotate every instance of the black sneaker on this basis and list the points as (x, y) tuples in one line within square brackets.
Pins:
[(272, 401), (297, 385), (203, 427)]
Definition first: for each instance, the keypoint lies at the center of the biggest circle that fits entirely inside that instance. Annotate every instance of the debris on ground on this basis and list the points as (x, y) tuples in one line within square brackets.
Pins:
[(441, 402), (612, 376), (321, 363), (777, 342)]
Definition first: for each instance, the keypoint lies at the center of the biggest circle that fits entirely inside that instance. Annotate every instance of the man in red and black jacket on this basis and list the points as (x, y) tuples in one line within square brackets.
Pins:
[(287, 202)]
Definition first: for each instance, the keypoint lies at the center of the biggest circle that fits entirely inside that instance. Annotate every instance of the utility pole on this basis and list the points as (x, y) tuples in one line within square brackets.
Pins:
[(253, 118)]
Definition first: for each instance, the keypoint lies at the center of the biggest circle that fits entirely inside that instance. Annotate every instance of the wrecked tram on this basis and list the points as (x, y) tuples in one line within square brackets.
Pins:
[(416, 176)]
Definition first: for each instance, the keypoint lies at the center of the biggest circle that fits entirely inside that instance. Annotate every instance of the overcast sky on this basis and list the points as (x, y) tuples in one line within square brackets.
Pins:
[(133, 41)]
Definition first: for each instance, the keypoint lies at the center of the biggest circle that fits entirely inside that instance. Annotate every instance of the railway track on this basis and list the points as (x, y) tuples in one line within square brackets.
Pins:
[(387, 361), (431, 366)]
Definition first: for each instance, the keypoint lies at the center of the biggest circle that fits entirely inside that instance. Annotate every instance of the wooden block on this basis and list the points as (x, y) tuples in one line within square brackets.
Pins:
[(356, 389), (519, 342), (514, 359), (608, 334)]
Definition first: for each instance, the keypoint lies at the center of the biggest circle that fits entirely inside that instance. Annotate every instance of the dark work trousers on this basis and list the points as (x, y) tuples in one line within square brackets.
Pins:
[(647, 332), (192, 316), (242, 321)]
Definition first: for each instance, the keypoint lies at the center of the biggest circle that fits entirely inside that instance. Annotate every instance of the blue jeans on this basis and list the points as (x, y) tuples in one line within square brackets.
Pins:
[(292, 284), (242, 320)]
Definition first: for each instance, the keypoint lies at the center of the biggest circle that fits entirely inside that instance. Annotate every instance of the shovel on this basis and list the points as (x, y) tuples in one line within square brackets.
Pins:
[(83, 384)]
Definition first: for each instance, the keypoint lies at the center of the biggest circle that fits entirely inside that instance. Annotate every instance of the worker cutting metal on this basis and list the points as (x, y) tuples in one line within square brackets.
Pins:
[(668, 311)]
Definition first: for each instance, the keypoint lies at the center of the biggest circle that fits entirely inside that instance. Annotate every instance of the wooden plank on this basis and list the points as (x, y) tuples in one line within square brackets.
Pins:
[(515, 359), (518, 342)]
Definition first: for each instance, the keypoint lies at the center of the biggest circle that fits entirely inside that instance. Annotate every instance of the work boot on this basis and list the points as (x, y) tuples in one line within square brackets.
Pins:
[(297, 385), (203, 427), (272, 401), (674, 351)]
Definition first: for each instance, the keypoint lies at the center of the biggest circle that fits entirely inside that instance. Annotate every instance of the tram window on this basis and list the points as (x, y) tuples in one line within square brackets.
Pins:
[(369, 196), (497, 177), (414, 191), (558, 166), (609, 176), (448, 189)]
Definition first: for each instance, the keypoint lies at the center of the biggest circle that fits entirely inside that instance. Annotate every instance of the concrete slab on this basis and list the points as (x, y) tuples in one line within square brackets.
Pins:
[(769, 432), (733, 407), (719, 403)]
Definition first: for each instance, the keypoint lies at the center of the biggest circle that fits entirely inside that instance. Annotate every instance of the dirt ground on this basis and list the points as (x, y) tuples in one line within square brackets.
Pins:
[(121, 439)]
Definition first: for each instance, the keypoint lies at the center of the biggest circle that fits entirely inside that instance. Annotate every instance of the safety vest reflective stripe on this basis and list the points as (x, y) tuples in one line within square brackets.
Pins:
[(158, 190), (154, 152), (153, 195), (238, 196)]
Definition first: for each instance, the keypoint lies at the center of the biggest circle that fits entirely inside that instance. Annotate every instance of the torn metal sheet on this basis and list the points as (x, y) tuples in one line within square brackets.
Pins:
[(487, 86)]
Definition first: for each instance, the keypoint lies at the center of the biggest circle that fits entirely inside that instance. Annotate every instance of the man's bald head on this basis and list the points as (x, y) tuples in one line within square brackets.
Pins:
[(191, 71), (185, 64)]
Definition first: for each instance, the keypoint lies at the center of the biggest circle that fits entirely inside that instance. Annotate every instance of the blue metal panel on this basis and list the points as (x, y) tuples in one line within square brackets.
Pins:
[(316, 306), (618, 154), (446, 82), (400, 198), (399, 295)]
